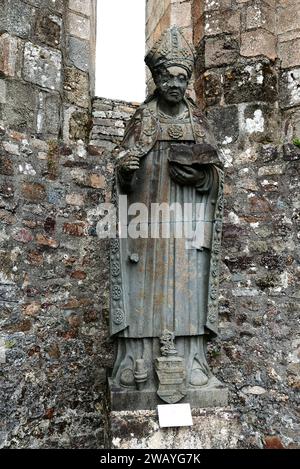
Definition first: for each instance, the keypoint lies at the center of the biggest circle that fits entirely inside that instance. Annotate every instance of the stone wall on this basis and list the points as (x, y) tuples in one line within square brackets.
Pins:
[(53, 291), (247, 83), (47, 53)]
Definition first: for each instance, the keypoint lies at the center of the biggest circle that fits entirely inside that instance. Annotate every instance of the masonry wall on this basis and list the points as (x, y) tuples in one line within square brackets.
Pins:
[(246, 83), (53, 348)]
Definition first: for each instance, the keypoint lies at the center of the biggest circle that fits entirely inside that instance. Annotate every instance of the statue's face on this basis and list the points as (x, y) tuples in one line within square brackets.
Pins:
[(172, 83)]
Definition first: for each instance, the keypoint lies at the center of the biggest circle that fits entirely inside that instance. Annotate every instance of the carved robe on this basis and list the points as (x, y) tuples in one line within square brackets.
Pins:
[(159, 284)]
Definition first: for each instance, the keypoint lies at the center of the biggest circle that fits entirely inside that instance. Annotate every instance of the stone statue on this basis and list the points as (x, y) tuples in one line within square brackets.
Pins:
[(164, 290)]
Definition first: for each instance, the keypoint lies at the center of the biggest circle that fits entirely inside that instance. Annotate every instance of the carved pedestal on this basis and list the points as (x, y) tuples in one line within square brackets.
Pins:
[(214, 394)]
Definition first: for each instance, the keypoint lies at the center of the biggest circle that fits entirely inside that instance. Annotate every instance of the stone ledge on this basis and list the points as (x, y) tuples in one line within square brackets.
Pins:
[(214, 394), (218, 428)]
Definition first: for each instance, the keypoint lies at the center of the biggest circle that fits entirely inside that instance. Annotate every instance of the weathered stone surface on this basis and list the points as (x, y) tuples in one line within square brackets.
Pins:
[(289, 90), (2, 92), (289, 53), (49, 114), (6, 165), (140, 430), (79, 53), (226, 22), (221, 51), (258, 42), (225, 121), (34, 192), (80, 7), (42, 66), (250, 82), (16, 18), (261, 15), (78, 26), (213, 87), (288, 17), (76, 87), (19, 113), (55, 5), (79, 125), (48, 29), (181, 14), (208, 5), (9, 55), (260, 121)]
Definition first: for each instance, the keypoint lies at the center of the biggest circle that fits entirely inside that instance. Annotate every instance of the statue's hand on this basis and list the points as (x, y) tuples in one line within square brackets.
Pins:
[(129, 164)]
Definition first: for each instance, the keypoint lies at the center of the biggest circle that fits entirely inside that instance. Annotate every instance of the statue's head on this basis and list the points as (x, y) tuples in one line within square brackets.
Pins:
[(171, 83), (171, 62)]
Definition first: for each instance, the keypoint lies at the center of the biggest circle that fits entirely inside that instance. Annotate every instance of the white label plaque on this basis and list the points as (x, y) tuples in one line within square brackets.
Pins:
[(175, 415)]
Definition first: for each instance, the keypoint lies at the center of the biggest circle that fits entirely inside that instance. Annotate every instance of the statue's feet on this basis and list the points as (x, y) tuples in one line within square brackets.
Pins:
[(198, 378), (127, 378)]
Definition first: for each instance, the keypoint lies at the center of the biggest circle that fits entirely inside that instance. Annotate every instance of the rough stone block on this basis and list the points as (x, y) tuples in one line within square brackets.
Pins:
[(251, 82), (289, 53), (289, 89), (42, 66), (79, 125), (209, 5), (16, 18), (225, 123), (213, 87), (288, 18), (78, 26), (79, 53), (48, 115), (221, 51), (2, 92), (260, 15), (76, 87), (43, 240), (258, 42), (81, 7), (9, 55), (48, 29), (216, 22), (6, 165), (259, 121), (75, 199), (54, 5), (181, 14), (34, 192), (19, 113), (75, 229), (140, 430)]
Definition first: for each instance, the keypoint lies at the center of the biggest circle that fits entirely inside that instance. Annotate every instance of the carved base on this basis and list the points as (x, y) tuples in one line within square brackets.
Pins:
[(214, 394)]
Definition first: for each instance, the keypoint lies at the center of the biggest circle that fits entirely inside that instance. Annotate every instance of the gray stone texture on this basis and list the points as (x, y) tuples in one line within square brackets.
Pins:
[(16, 18), (78, 52), (218, 428), (76, 87), (42, 66), (19, 112), (48, 29)]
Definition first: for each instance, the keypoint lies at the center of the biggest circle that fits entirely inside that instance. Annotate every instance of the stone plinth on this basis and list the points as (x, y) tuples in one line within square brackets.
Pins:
[(214, 394), (212, 428)]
